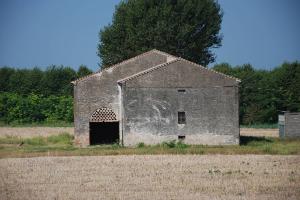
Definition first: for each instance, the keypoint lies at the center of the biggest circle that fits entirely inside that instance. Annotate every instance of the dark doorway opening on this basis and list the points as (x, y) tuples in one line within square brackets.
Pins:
[(104, 132)]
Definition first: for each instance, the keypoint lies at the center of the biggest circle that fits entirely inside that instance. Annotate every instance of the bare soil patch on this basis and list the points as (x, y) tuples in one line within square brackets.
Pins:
[(151, 177)]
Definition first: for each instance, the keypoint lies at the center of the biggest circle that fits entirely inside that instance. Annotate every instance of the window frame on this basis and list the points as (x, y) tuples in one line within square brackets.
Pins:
[(181, 117)]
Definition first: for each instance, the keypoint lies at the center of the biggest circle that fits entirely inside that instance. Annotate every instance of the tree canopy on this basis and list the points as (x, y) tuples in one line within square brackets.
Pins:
[(54, 80), (34, 95), (185, 28), (263, 94)]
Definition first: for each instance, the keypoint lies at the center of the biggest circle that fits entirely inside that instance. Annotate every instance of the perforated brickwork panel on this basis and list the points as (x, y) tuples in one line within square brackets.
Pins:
[(103, 115)]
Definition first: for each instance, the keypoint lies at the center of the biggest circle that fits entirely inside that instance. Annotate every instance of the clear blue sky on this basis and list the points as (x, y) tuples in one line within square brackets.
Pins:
[(264, 33)]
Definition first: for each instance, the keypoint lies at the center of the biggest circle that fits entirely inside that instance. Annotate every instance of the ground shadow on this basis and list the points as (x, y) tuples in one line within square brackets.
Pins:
[(244, 140)]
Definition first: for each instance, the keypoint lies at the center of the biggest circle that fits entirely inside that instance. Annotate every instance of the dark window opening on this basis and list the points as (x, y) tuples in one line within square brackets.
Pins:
[(181, 118), (104, 132), (181, 90), (181, 137)]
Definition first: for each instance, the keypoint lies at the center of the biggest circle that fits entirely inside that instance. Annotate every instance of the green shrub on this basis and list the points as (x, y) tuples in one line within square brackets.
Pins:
[(170, 144), (181, 145), (262, 126), (141, 145), (33, 108), (116, 145)]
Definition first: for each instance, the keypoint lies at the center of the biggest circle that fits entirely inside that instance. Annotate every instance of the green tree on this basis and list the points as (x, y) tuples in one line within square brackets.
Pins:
[(224, 68), (185, 28), (287, 84), (83, 71), (264, 93), (5, 74), (33, 83), (57, 80), (18, 81)]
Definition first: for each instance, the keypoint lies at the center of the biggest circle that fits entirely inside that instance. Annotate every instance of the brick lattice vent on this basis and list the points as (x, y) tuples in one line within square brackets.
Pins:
[(103, 115)]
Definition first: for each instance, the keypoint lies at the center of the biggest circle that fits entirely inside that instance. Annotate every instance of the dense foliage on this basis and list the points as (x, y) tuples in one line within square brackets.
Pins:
[(46, 96), (15, 108), (33, 95), (55, 80), (185, 28), (263, 94)]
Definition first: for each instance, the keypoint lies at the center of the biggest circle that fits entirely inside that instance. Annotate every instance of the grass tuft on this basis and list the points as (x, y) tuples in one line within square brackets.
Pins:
[(181, 145), (10, 140), (141, 145), (169, 144), (64, 138), (36, 141)]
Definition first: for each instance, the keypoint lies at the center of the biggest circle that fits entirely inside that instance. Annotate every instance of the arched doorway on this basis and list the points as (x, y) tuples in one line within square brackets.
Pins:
[(104, 127)]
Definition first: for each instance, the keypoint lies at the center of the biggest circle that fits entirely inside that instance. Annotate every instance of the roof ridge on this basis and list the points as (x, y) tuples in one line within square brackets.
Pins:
[(163, 53), (84, 77), (147, 70), (122, 62), (152, 68), (214, 71), (126, 60), (167, 63)]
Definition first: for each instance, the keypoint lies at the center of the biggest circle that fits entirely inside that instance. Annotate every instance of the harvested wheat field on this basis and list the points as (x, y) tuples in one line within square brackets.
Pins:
[(151, 177), (27, 132), (258, 132)]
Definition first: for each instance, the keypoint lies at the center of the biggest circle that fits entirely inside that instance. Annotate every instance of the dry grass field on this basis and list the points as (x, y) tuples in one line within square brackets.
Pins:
[(26, 132), (58, 141), (258, 132), (127, 175), (151, 177)]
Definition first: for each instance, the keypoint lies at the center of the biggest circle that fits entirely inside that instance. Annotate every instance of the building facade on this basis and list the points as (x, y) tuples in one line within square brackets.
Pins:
[(289, 125), (156, 97)]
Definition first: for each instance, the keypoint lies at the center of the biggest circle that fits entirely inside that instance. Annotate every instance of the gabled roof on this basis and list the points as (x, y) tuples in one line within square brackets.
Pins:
[(121, 63), (166, 64), (147, 71)]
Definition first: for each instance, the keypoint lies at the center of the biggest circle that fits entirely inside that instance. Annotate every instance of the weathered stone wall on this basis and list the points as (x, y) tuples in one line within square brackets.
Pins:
[(151, 103), (292, 125), (101, 90)]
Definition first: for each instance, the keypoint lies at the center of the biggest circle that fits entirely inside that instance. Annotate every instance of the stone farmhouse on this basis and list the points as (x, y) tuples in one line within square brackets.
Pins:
[(156, 97)]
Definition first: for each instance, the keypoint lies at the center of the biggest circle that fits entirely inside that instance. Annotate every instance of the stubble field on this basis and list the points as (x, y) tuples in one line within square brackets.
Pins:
[(27, 132), (151, 177)]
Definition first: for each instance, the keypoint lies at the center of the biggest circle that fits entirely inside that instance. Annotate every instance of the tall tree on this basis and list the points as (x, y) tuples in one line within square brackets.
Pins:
[(287, 83), (57, 80), (185, 28), (83, 71), (5, 74)]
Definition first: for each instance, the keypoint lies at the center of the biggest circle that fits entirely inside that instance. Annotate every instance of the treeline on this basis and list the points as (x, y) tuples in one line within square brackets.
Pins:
[(263, 93), (33, 108), (35, 95), (55, 80)]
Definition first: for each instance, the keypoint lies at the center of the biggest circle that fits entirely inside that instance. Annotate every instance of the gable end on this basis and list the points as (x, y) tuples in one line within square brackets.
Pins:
[(173, 61), (169, 57)]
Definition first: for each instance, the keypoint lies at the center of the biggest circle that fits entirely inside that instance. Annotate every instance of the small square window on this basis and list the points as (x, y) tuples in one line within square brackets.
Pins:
[(181, 137), (181, 118)]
